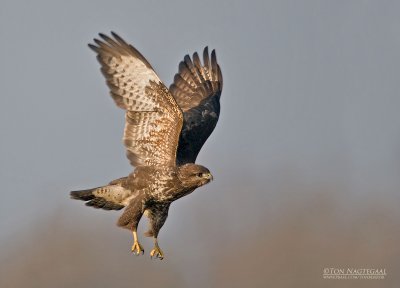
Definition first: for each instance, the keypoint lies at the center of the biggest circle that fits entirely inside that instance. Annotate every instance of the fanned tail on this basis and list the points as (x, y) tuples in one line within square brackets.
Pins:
[(98, 197), (84, 195)]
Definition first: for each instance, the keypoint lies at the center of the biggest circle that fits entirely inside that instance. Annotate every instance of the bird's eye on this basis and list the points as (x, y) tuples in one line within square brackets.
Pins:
[(199, 175)]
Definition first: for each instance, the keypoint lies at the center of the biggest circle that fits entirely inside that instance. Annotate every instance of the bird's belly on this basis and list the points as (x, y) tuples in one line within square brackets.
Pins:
[(182, 193), (171, 195)]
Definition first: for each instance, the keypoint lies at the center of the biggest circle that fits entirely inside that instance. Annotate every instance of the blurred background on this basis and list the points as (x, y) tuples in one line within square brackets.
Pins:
[(305, 157)]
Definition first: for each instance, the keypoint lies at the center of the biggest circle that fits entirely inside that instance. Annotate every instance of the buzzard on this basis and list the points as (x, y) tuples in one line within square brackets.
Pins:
[(164, 132)]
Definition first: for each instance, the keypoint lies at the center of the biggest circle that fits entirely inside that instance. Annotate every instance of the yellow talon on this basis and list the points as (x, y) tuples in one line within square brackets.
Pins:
[(136, 247), (156, 252)]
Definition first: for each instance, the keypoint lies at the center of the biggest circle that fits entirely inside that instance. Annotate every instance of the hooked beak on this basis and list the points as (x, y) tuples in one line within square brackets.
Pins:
[(209, 177)]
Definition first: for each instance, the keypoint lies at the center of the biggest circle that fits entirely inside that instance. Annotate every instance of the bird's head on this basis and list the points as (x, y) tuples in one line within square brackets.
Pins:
[(193, 175)]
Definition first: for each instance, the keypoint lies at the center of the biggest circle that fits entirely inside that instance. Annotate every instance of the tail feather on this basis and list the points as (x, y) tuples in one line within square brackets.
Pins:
[(98, 202), (94, 200), (84, 195)]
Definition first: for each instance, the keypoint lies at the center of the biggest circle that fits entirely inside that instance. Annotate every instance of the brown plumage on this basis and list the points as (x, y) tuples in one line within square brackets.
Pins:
[(159, 123), (197, 89)]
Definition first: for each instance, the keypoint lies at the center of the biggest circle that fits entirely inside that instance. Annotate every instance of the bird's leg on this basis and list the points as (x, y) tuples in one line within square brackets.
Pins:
[(136, 247), (156, 252)]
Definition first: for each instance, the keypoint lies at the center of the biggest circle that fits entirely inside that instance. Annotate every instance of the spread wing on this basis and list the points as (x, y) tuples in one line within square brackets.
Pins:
[(153, 118), (197, 89)]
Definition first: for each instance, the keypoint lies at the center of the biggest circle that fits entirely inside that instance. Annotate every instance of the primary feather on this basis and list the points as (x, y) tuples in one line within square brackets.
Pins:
[(153, 120), (197, 89)]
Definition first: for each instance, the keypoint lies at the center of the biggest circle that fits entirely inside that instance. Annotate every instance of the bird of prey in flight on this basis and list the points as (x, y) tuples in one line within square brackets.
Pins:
[(164, 132)]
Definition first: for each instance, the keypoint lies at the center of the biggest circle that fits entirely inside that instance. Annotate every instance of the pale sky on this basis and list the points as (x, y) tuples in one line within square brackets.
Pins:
[(310, 105)]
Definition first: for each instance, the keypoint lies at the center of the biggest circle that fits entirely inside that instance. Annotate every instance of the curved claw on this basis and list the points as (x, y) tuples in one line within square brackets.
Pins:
[(137, 248), (157, 253)]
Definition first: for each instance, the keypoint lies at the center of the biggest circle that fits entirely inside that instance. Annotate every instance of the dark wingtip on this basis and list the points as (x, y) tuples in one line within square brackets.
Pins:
[(118, 38), (93, 47), (98, 42), (206, 57), (213, 54), (196, 59), (214, 61), (104, 36)]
